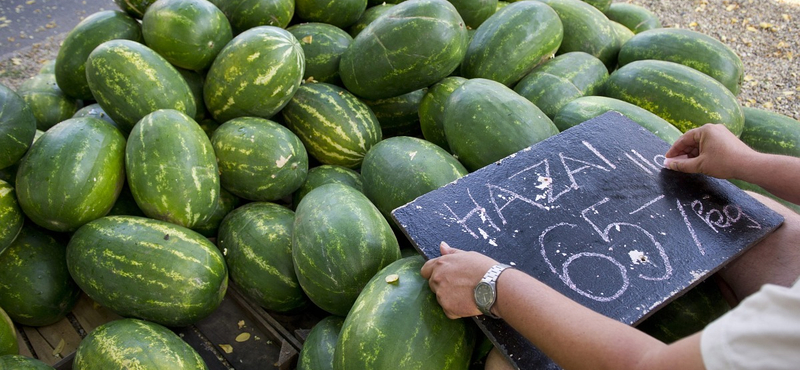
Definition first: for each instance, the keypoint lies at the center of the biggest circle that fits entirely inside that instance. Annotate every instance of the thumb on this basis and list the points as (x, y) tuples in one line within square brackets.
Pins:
[(445, 248), (677, 163)]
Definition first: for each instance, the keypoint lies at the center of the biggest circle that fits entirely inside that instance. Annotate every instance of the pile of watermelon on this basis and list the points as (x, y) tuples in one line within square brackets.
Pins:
[(176, 144)]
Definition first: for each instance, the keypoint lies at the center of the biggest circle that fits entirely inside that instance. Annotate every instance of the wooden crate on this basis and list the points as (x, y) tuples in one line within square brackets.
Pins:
[(238, 335)]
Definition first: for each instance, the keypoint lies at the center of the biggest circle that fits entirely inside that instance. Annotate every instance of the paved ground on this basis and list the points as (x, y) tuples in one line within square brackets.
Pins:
[(26, 22)]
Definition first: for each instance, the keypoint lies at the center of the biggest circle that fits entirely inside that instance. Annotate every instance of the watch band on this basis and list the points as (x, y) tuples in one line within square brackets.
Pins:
[(490, 278)]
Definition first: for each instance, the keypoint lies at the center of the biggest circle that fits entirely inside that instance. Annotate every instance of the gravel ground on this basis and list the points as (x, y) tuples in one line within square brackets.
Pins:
[(765, 34)]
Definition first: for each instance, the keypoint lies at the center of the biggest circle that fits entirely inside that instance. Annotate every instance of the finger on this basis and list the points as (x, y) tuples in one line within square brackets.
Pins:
[(674, 163), (445, 249), (427, 268), (684, 144)]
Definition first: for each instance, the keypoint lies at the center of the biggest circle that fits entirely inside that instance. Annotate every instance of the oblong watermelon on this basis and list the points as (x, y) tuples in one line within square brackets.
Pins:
[(257, 242), (130, 80), (690, 48), (10, 215), (246, 14), (431, 110), (46, 100), (475, 12), (586, 29), (8, 335), (17, 127), (73, 174), (120, 344), (372, 13), (512, 42), (770, 132), (172, 170), (681, 95), (340, 13), (35, 286), (19, 362), (636, 17), (340, 241), (227, 203), (317, 352), (96, 111), (135, 8), (149, 269), (412, 45), (403, 315), (687, 314), (326, 174), (398, 115), (335, 127), (323, 45), (254, 75), (485, 121), (70, 67)]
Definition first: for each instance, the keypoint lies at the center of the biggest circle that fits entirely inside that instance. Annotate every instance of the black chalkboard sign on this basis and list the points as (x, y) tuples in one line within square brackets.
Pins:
[(592, 213)]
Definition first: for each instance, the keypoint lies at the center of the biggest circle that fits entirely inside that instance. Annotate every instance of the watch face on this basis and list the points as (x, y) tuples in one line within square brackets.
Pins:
[(484, 294)]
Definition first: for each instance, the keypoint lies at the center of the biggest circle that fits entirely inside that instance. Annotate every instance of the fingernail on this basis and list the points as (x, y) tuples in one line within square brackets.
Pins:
[(444, 244)]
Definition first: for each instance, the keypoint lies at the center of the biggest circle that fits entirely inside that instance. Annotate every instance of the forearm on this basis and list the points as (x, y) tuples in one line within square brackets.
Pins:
[(576, 337), (778, 174)]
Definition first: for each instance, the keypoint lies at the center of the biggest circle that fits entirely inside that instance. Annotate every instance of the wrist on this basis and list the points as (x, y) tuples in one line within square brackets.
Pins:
[(502, 286)]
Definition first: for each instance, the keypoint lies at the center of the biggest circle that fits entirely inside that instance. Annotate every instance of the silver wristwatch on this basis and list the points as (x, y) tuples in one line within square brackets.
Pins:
[(486, 292)]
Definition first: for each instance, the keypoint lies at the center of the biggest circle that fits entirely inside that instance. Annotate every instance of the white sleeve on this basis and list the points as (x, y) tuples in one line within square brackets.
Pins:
[(762, 332)]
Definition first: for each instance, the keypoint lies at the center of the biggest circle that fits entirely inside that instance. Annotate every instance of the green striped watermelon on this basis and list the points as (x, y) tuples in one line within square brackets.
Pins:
[(690, 48), (335, 127), (255, 74), (512, 42), (125, 205), (196, 82), (340, 13), (256, 240), (687, 314), (10, 215), (46, 100), (172, 170), (96, 111), (681, 95), (227, 203), (17, 127), (149, 269), (135, 344), (19, 362), (72, 174), (246, 14), (130, 81), (398, 115), (562, 79), (623, 33), (35, 287), (586, 29), (340, 241), (187, 33), (317, 352), (48, 67), (400, 325), (588, 107), (411, 46), (326, 174), (259, 159), (601, 5), (8, 334), (400, 169), (70, 68), (372, 13), (431, 110), (635, 17), (323, 45), (475, 12), (485, 121), (135, 8)]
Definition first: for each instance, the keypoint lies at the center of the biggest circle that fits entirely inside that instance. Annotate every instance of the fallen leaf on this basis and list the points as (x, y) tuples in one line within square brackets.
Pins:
[(16, 61), (241, 324), (693, 24), (768, 105), (226, 347), (786, 17), (751, 29), (748, 78), (59, 347), (244, 337), (731, 7)]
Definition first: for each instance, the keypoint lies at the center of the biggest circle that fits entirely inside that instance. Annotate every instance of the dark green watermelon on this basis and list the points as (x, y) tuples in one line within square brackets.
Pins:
[(317, 352), (323, 45), (17, 127), (340, 13), (46, 100), (431, 110), (326, 174), (246, 14)]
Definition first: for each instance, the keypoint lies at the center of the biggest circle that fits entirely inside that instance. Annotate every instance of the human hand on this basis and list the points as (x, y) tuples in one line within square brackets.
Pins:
[(711, 150), (453, 277)]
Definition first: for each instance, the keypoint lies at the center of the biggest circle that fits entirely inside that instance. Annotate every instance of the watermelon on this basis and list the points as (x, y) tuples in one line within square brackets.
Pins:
[(148, 269), (227, 203), (256, 240), (323, 45), (10, 215), (369, 15), (246, 14), (72, 174), (19, 362), (601, 5), (379, 2), (635, 17), (623, 33), (588, 107), (681, 95), (397, 310), (35, 286), (317, 352), (17, 127), (70, 68), (512, 42), (46, 100), (8, 334), (485, 121), (326, 174), (130, 80), (398, 115), (135, 344), (340, 241), (48, 67), (125, 205), (412, 45), (340, 13), (259, 159), (96, 111), (431, 110), (562, 79), (196, 82), (135, 8), (335, 127), (172, 170), (400, 169), (586, 29), (475, 12), (187, 33), (254, 75), (690, 48), (687, 314)]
